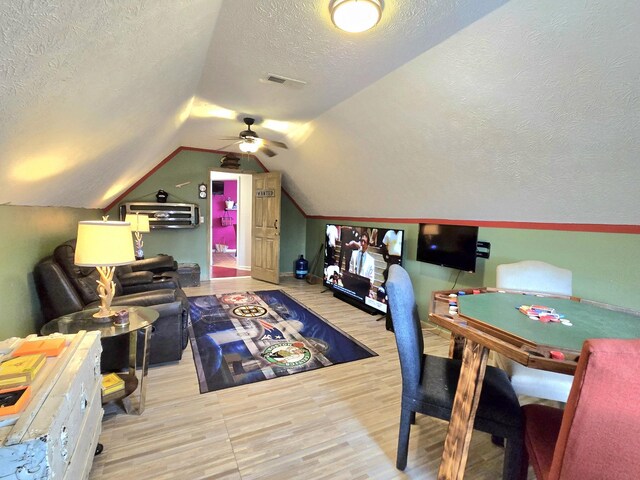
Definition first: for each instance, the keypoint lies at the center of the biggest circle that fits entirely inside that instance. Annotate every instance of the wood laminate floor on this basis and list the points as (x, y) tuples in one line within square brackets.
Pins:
[(339, 422), (226, 265)]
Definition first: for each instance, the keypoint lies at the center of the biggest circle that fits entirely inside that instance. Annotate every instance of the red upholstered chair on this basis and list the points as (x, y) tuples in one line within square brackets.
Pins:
[(598, 435)]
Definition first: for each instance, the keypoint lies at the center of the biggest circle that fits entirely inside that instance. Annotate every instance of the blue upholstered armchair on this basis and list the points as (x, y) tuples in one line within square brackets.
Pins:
[(429, 382)]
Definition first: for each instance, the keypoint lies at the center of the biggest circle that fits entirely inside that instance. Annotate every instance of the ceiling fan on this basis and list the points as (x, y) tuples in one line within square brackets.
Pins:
[(250, 142)]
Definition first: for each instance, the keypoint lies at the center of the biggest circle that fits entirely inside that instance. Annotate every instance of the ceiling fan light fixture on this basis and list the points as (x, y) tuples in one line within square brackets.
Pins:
[(250, 145), (356, 16)]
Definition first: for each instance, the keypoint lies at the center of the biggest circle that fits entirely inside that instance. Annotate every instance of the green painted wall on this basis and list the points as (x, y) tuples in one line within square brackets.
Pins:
[(293, 241), (30, 234), (605, 266), (191, 245)]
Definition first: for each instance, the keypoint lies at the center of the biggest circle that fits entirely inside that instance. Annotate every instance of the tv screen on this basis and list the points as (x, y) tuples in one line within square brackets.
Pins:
[(217, 187), (355, 260), (451, 246)]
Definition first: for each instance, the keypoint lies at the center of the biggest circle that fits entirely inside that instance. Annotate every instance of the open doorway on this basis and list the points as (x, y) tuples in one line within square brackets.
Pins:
[(230, 220)]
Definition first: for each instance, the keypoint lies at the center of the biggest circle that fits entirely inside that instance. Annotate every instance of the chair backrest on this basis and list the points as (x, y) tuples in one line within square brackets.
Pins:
[(84, 279), (600, 432), (534, 276), (406, 325), (56, 293)]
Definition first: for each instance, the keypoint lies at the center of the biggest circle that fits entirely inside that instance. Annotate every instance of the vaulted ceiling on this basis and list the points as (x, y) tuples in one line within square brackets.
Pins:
[(493, 110)]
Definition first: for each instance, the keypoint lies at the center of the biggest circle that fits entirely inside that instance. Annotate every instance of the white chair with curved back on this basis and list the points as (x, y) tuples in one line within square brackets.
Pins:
[(535, 276)]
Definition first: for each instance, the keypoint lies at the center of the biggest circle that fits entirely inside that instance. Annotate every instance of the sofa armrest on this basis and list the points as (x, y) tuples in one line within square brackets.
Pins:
[(142, 299), (168, 339), (169, 334), (157, 284), (135, 278), (139, 282), (157, 264)]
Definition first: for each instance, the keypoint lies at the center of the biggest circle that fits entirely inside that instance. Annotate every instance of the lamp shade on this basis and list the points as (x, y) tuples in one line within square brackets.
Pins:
[(103, 243), (139, 223)]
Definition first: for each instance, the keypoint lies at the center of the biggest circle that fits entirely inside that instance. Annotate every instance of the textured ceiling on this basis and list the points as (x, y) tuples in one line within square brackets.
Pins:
[(92, 93), (487, 110), (296, 39)]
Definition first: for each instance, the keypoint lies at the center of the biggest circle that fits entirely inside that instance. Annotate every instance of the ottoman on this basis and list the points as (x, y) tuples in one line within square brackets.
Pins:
[(189, 274)]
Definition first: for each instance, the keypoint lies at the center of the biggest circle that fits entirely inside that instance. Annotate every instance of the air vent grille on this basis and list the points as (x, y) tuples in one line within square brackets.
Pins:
[(273, 78), (282, 80)]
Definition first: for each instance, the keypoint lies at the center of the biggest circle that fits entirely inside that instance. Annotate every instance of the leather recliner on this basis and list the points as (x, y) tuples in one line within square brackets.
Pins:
[(162, 270), (65, 288), (149, 274)]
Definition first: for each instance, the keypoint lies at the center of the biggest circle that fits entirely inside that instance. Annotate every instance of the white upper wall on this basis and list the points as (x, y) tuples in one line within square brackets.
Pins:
[(530, 114)]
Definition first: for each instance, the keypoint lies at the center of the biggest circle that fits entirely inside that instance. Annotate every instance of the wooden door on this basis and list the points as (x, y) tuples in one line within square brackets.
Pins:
[(265, 232)]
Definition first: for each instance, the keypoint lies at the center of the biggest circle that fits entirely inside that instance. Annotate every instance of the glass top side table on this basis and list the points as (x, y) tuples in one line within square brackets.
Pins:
[(140, 318)]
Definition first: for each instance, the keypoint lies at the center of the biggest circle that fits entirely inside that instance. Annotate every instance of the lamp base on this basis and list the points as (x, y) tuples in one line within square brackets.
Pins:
[(106, 291), (139, 253), (103, 315)]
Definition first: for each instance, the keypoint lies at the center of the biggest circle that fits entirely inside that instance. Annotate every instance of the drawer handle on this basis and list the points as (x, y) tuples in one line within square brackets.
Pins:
[(83, 398), (64, 440)]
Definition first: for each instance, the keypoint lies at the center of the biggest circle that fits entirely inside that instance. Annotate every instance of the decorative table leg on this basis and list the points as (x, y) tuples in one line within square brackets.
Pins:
[(465, 404), (145, 368), (142, 384)]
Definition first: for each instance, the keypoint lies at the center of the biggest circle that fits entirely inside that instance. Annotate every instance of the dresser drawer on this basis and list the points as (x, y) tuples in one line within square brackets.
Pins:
[(61, 420), (82, 457), (56, 434)]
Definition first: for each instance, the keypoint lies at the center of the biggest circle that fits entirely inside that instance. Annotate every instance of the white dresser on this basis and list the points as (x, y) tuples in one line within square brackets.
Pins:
[(56, 433)]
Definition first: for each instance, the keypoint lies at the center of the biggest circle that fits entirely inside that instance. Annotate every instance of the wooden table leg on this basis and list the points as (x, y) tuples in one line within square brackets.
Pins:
[(456, 346), (465, 404)]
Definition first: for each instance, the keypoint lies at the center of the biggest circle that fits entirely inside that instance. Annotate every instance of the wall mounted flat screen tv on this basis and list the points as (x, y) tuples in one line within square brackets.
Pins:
[(452, 246), (354, 262), (217, 187)]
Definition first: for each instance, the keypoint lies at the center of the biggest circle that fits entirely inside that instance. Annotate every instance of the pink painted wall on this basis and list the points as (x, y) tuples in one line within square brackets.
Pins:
[(220, 234)]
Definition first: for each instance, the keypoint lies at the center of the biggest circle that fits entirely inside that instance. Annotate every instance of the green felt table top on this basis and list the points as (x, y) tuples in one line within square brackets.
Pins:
[(589, 321)]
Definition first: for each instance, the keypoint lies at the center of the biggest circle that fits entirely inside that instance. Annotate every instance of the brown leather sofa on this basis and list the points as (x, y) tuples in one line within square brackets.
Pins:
[(65, 288)]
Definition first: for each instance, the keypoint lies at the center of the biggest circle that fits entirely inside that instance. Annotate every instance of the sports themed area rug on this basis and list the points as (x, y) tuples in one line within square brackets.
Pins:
[(246, 337)]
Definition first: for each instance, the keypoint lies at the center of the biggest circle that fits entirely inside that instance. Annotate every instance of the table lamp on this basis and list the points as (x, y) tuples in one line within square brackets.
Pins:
[(104, 245), (139, 225)]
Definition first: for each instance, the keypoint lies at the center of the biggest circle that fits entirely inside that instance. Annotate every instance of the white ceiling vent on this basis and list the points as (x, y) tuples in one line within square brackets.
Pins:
[(289, 82)]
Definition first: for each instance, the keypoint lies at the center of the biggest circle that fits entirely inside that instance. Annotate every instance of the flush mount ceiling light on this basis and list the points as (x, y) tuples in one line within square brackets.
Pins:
[(356, 15)]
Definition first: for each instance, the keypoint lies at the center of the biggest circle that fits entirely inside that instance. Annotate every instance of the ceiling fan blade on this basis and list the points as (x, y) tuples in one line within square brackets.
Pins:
[(227, 146), (268, 152), (275, 143), (228, 138)]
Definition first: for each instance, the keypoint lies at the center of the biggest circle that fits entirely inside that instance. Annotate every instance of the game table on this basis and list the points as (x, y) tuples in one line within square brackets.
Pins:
[(489, 319)]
